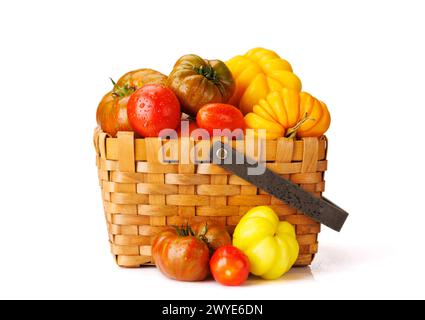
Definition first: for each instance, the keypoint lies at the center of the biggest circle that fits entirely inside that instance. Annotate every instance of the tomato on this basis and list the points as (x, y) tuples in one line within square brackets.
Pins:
[(180, 255), (111, 114), (136, 79), (186, 128), (270, 244), (216, 236), (197, 81), (229, 266), (220, 116), (153, 108)]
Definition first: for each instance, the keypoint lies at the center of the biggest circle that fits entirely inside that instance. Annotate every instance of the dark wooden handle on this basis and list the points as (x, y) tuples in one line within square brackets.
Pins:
[(320, 209)]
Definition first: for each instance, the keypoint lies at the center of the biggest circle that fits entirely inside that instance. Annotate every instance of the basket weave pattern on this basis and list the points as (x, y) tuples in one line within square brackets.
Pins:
[(142, 195)]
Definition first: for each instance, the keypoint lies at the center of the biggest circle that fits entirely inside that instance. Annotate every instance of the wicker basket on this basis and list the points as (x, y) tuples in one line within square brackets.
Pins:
[(142, 195)]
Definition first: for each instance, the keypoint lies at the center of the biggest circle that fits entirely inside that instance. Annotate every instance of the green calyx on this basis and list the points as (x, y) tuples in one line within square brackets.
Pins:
[(187, 231), (122, 91), (208, 72)]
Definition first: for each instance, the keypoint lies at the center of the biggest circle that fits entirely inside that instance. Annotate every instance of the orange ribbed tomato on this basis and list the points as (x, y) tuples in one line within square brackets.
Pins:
[(288, 113), (111, 114)]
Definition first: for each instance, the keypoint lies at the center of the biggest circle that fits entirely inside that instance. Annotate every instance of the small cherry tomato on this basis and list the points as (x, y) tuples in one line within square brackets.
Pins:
[(222, 117), (229, 266)]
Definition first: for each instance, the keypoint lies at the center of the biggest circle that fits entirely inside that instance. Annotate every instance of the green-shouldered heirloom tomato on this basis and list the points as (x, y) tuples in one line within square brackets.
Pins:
[(197, 81), (180, 255)]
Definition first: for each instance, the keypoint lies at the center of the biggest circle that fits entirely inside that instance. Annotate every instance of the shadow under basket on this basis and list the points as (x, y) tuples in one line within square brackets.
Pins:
[(142, 195)]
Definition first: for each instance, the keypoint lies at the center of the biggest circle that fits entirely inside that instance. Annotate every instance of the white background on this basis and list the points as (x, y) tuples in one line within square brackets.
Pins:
[(365, 59)]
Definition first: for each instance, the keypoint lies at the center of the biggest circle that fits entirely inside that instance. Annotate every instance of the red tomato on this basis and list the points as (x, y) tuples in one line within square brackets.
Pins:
[(153, 108), (220, 116), (180, 255), (229, 266)]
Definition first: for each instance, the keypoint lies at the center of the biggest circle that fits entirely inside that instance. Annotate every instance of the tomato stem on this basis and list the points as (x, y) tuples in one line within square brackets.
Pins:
[(292, 132), (208, 72), (184, 231), (122, 91)]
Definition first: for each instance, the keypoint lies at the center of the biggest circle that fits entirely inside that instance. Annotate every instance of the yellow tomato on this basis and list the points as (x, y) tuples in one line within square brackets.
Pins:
[(270, 244), (288, 113), (257, 73)]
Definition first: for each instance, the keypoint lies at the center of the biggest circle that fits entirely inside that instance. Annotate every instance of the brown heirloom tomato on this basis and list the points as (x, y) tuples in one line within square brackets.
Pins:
[(197, 82), (216, 236), (180, 255), (111, 114)]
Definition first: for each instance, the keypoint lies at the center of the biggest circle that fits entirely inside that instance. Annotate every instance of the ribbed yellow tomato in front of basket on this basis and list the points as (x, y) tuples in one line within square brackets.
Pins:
[(288, 113), (270, 244)]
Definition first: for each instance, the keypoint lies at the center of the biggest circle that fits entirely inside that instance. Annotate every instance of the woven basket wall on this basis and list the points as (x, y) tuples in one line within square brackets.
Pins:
[(141, 195)]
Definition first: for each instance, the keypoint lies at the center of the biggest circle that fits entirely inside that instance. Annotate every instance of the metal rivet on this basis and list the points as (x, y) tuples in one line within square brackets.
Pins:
[(221, 153)]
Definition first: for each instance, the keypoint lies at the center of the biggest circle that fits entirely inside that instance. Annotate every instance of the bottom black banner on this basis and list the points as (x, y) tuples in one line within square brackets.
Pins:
[(189, 309)]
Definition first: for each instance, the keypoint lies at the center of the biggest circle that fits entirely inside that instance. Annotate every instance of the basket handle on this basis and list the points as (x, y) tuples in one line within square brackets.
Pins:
[(320, 209)]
